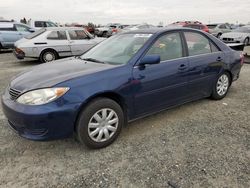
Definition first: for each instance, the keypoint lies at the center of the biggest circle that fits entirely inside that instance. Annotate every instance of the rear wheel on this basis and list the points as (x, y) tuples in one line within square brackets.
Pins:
[(221, 86), (48, 56), (100, 123)]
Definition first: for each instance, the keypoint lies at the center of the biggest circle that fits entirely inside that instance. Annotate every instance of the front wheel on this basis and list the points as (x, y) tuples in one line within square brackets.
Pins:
[(100, 123), (221, 86), (219, 35), (246, 42)]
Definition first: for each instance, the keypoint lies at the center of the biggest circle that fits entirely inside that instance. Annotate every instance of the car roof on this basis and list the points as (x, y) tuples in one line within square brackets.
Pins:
[(10, 24), (62, 28), (160, 30)]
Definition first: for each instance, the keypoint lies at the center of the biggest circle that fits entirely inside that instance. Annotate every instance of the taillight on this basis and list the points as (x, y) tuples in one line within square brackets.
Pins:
[(242, 58), (206, 30), (114, 30), (18, 50)]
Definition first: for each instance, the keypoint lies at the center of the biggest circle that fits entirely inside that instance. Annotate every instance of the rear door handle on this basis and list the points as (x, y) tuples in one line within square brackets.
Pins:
[(182, 67), (219, 59)]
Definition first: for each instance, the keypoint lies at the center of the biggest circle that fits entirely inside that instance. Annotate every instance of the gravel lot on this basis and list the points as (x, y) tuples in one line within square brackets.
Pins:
[(200, 144)]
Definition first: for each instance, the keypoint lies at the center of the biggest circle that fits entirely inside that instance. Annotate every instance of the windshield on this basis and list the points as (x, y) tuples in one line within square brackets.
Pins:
[(117, 50), (242, 29), (35, 34)]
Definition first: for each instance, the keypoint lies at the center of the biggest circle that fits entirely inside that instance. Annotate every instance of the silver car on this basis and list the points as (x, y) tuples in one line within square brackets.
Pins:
[(49, 44), (10, 32), (241, 35), (218, 29)]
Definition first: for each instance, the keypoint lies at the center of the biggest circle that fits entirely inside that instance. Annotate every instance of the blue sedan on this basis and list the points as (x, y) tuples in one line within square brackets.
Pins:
[(126, 77)]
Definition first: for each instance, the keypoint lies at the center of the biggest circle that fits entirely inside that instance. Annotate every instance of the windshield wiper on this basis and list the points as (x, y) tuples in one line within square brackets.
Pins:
[(93, 60)]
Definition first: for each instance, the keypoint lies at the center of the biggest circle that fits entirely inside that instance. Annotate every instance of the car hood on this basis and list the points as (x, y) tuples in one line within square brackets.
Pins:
[(233, 35), (50, 74)]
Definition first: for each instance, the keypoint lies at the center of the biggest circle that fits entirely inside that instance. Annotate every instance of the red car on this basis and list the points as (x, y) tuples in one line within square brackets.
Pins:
[(192, 24)]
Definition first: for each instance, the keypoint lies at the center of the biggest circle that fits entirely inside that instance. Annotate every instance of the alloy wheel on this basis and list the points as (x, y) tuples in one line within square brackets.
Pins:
[(222, 85)]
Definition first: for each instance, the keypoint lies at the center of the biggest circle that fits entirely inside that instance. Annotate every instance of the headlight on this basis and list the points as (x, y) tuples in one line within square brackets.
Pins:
[(41, 96)]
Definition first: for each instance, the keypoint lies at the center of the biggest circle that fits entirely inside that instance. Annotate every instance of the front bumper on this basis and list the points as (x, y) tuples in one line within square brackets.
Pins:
[(44, 122)]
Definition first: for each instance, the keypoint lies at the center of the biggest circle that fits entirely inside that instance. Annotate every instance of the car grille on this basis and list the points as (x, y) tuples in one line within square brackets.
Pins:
[(228, 39), (14, 94)]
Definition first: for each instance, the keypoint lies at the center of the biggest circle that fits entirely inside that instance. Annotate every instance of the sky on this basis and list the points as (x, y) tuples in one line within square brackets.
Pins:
[(127, 11)]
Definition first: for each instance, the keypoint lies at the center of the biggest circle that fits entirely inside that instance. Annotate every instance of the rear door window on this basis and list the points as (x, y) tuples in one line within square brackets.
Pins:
[(57, 35), (77, 35), (198, 44)]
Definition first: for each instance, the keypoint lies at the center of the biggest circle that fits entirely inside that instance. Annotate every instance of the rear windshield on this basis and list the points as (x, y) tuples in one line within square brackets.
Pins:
[(35, 34), (212, 26)]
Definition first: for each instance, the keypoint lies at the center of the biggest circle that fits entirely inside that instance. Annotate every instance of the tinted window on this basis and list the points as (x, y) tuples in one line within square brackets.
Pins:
[(57, 35), (40, 24), (77, 35), (21, 28), (168, 47), (197, 44)]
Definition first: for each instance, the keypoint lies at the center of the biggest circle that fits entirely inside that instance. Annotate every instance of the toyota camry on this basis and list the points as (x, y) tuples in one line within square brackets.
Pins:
[(128, 76)]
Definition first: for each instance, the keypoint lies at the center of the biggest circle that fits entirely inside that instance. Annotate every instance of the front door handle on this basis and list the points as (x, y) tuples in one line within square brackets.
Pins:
[(182, 67), (219, 59)]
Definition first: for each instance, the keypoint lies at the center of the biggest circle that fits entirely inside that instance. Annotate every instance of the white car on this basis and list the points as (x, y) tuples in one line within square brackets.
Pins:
[(241, 35), (38, 24), (49, 44)]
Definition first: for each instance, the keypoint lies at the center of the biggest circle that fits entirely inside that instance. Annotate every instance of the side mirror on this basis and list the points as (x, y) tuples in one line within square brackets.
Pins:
[(150, 60)]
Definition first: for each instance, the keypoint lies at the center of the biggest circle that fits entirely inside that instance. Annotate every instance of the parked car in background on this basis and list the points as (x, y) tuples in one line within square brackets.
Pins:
[(246, 52), (127, 76), (191, 24), (10, 32), (104, 31), (38, 24), (239, 35), (138, 26), (49, 44), (218, 29)]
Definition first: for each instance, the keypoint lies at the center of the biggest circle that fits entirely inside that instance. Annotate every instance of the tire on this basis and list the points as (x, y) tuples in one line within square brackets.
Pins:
[(246, 42), (105, 34), (221, 86), (48, 56), (96, 132), (219, 35)]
